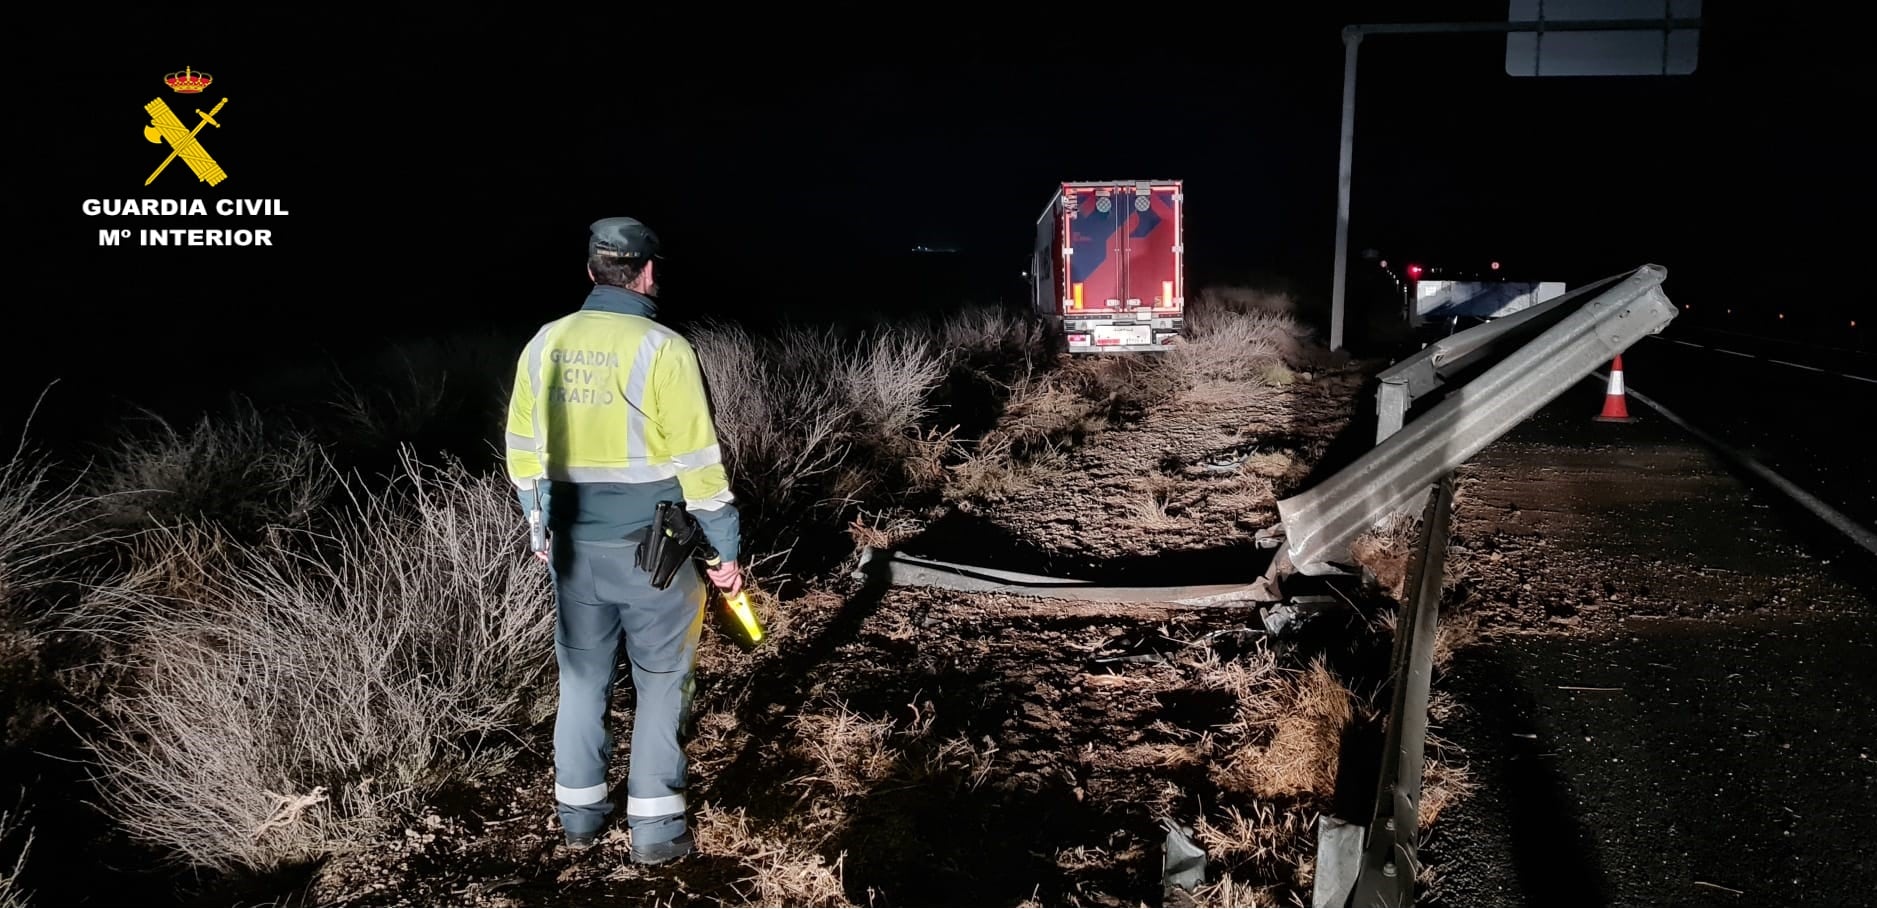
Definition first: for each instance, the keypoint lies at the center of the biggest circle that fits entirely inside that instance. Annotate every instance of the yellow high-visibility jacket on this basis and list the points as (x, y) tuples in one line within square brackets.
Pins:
[(608, 417)]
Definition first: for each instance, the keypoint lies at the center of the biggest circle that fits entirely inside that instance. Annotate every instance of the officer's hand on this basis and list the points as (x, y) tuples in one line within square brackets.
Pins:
[(727, 576), (542, 556)]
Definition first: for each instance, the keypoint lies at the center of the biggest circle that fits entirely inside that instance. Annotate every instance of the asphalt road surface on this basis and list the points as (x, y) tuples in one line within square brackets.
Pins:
[(1669, 701), (1805, 412)]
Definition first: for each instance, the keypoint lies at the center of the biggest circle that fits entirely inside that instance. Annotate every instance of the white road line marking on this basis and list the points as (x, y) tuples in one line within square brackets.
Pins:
[(1767, 359), (1798, 365), (1858, 533)]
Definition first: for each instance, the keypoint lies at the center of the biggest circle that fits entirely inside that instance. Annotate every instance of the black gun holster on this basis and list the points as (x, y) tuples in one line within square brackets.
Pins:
[(672, 540)]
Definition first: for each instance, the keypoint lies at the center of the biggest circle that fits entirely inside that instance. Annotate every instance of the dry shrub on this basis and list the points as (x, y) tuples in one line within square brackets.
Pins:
[(990, 335), (1221, 301), (301, 692), (234, 470), (1246, 348), (37, 525), (782, 872), (11, 895), (437, 392), (781, 418), (1302, 739), (889, 379), (1239, 335), (813, 422), (45, 532)]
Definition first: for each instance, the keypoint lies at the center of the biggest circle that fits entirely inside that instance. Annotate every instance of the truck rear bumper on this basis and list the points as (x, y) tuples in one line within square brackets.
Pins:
[(1121, 335), (1117, 348)]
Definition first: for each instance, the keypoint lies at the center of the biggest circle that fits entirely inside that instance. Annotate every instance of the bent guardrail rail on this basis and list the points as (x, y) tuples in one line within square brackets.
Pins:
[(898, 569), (1319, 524), (1426, 371)]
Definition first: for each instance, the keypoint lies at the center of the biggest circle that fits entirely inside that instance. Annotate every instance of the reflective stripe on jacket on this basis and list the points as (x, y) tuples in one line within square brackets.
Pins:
[(610, 406)]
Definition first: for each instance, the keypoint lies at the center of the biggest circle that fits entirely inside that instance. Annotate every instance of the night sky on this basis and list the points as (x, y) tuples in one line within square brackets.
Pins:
[(439, 175)]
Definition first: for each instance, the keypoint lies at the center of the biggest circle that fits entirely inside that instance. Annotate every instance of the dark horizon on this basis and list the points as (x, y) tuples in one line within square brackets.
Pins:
[(440, 179)]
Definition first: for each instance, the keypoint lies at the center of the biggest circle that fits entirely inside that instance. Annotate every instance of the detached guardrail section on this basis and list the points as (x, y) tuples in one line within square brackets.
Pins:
[(1577, 333)]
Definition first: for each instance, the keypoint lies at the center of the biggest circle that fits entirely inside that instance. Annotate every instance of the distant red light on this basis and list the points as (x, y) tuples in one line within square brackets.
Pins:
[(1495, 266), (1414, 271)]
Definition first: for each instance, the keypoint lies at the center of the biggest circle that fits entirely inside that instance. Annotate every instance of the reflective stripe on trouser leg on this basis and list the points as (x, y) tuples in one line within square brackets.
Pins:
[(586, 641), (662, 631)]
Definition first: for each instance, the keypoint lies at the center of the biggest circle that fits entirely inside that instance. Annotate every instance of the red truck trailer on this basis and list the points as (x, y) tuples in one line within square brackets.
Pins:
[(1109, 265)]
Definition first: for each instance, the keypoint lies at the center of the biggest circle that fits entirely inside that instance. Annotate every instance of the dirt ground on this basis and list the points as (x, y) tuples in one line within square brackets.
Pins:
[(1167, 498), (1668, 698), (922, 747)]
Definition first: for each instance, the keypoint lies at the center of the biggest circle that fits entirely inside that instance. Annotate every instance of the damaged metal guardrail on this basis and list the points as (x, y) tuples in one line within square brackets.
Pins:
[(1377, 866), (1438, 363), (898, 569), (1586, 329)]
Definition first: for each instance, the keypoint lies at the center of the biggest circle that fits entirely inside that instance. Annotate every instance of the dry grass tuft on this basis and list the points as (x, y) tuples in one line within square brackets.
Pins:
[(1228, 892), (1305, 719), (850, 753), (1262, 842), (782, 873), (881, 530), (1456, 632), (1385, 549), (1253, 681), (1157, 506), (1442, 785)]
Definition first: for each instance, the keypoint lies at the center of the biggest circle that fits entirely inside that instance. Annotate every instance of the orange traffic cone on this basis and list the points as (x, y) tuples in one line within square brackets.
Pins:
[(1615, 402)]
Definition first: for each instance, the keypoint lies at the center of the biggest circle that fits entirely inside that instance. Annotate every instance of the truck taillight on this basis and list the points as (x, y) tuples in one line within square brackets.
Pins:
[(1414, 272), (1078, 295)]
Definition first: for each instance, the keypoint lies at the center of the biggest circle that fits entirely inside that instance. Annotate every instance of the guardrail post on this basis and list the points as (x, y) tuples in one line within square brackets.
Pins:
[(1391, 407)]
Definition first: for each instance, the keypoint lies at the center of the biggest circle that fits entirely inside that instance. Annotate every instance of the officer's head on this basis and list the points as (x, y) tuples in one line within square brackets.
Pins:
[(623, 253)]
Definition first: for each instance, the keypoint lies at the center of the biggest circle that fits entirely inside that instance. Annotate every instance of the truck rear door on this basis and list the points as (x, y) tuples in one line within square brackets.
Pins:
[(1150, 242), (1096, 216)]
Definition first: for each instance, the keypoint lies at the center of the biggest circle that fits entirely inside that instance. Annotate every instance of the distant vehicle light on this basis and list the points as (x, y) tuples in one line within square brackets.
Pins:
[(1414, 271), (1384, 263), (1495, 266)]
